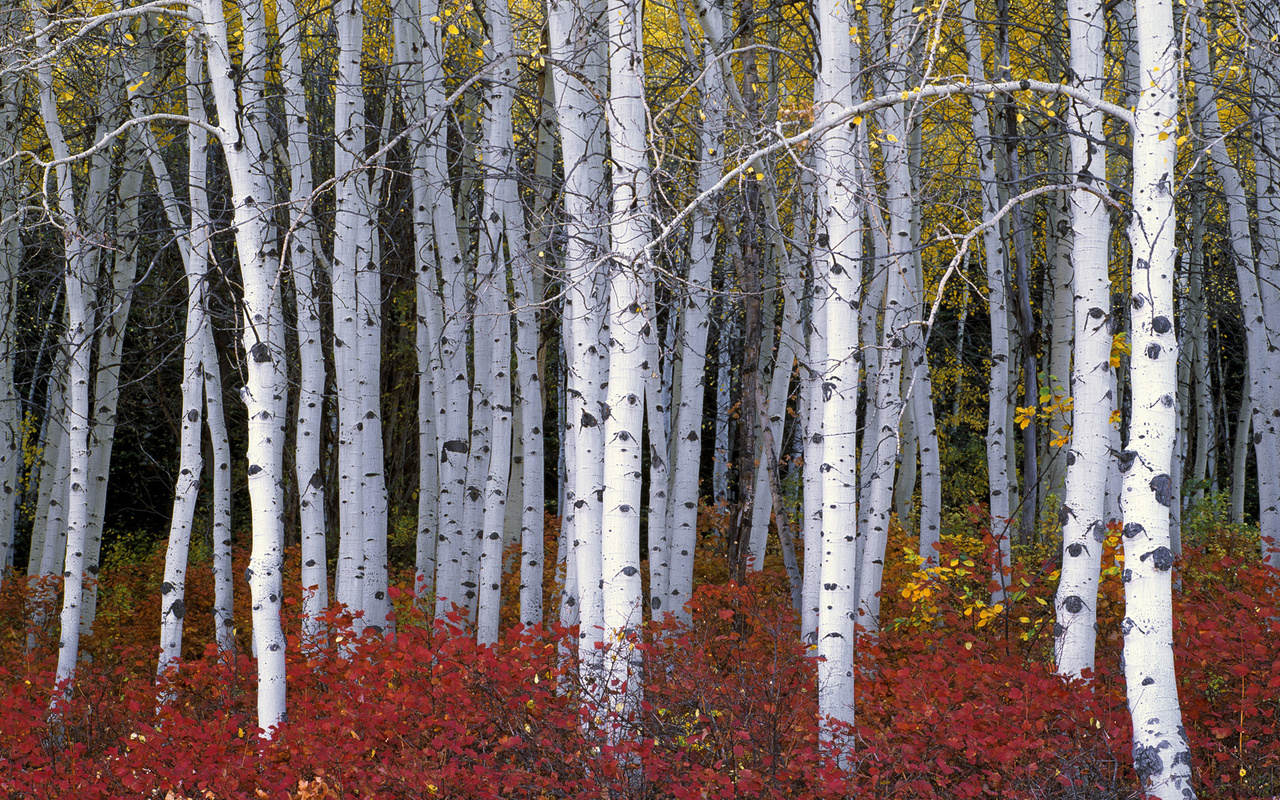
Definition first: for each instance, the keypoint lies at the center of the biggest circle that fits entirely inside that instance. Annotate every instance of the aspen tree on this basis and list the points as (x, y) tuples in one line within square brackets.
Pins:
[(674, 587), (1259, 299), (527, 293), (1266, 137), (579, 72), (502, 242), (246, 146), (838, 278), (1160, 751), (81, 279), (1083, 512), (434, 193), (11, 417), (896, 123), (630, 330), (303, 250), (997, 300)]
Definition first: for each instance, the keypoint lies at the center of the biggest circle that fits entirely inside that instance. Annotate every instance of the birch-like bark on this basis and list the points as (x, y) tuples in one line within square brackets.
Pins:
[(694, 327), (483, 385), (220, 467), (80, 292), (349, 248), (1161, 755), (1266, 136), (998, 303), (1058, 246), (630, 337), (110, 335), (726, 343), (11, 421), (772, 421), (1259, 299), (409, 53), (501, 239), (304, 249), (443, 269), (246, 146), (195, 262), (187, 490), (896, 122), (838, 276), (814, 448), (527, 294), (923, 414), (493, 323), (580, 68), (48, 530), (1083, 512), (1195, 344)]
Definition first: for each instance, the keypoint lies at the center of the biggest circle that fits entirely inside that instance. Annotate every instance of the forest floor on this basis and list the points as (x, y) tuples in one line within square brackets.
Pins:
[(956, 697)]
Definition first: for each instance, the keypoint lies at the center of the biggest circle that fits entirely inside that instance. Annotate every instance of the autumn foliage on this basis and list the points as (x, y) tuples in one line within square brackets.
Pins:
[(956, 700)]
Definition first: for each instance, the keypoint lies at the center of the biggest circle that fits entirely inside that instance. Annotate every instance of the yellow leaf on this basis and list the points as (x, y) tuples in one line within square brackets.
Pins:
[(453, 30)]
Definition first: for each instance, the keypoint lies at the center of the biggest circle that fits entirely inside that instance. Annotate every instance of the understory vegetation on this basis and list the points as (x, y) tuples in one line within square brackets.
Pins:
[(956, 699)]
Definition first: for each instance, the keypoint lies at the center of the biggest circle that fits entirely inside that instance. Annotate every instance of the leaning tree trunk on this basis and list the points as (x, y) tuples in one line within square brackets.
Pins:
[(80, 288)]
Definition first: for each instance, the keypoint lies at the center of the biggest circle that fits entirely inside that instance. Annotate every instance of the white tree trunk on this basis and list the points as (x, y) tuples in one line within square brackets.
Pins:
[(446, 255), (350, 247), (773, 420), (1083, 512), (493, 324), (1259, 299), (814, 448), (190, 461), (49, 528), (11, 417), (304, 249), (528, 288), (501, 239), (998, 303), (838, 278), (1161, 755), (897, 123), (223, 586), (1058, 244), (630, 336), (578, 54), (246, 147), (674, 585), (80, 278), (1266, 137)]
